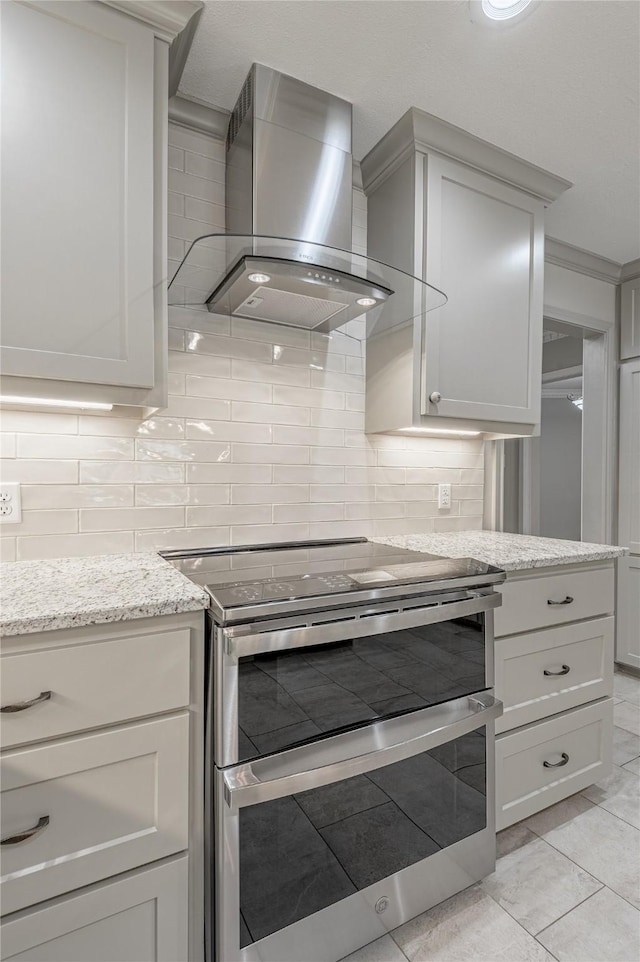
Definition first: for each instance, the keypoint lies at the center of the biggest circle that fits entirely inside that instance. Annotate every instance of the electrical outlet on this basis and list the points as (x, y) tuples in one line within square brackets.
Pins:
[(10, 503), (444, 496)]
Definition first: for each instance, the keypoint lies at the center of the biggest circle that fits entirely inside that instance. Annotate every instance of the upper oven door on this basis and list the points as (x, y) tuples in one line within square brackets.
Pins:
[(288, 683)]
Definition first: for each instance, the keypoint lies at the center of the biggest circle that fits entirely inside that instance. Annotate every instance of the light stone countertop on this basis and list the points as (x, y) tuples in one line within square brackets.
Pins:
[(70, 592), (512, 552)]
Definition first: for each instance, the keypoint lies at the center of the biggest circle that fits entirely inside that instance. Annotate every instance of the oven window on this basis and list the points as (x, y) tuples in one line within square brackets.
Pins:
[(302, 853), (286, 698)]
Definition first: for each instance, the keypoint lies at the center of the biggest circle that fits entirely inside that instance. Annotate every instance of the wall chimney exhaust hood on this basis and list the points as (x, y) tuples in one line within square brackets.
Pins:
[(287, 258)]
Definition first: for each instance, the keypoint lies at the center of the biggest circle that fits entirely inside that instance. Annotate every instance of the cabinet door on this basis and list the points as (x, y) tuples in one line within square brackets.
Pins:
[(484, 248), (630, 319), (628, 624), (139, 917), (629, 468), (77, 194)]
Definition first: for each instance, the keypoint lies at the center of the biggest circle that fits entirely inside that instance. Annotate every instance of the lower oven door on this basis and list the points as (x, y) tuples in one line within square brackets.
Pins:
[(322, 848)]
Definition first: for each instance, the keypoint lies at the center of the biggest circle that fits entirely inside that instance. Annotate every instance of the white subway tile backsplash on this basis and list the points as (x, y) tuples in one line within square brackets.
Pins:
[(73, 447), (76, 495), (58, 521), (212, 515), (307, 474), (74, 545), (307, 397), (285, 434), (243, 371), (285, 513), (40, 472), (120, 519), (278, 493), (182, 451), (8, 445), (229, 431), (262, 440), (225, 473), (130, 472), (203, 364), (8, 549), (32, 422), (218, 387), (167, 538), (271, 453), (271, 414)]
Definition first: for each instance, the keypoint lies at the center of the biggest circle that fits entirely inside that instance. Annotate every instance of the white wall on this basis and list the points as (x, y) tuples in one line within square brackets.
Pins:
[(262, 440), (578, 293), (560, 469)]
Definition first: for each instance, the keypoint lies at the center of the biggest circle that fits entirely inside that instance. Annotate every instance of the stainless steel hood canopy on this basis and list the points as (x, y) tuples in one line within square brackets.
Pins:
[(286, 258)]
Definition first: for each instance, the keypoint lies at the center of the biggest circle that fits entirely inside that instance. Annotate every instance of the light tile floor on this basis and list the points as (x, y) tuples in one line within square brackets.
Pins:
[(567, 880)]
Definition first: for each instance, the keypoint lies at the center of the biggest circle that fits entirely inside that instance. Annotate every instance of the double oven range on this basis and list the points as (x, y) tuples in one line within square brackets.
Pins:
[(350, 742)]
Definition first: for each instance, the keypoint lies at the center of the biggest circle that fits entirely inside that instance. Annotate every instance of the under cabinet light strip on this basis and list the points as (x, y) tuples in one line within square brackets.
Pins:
[(55, 403), (451, 431)]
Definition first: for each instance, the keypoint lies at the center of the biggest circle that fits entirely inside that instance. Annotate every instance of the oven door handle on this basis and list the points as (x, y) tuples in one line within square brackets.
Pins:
[(356, 753), (239, 645)]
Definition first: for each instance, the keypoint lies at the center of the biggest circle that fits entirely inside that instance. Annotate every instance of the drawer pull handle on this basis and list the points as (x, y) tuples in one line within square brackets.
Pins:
[(563, 671), (30, 833), (564, 759), (565, 601), (23, 705)]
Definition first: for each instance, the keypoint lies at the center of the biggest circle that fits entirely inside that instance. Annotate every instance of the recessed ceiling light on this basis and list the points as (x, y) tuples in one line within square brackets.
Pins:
[(260, 278), (366, 301), (500, 10)]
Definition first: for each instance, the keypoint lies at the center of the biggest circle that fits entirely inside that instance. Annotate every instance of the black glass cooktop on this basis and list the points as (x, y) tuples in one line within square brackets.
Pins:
[(271, 577)]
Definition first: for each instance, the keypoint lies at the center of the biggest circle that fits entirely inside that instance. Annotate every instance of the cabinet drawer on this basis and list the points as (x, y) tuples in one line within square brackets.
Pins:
[(138, 917), (93, 684), (113, 800), (578, 743), (542, 600), (521, 662)]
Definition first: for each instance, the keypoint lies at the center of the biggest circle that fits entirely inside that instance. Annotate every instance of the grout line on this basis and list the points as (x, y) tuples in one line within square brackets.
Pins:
[(569, 911)]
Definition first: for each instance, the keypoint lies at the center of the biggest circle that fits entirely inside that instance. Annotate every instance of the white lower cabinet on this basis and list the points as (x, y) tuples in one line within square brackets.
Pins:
[(554, 654), (111, 800), (628, 638), (541, 764), (138, 917), (101, 793)]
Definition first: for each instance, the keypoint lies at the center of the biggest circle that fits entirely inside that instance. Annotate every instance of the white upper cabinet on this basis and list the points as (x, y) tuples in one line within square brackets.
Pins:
[(630, 319), (468, 218), (84, 104)]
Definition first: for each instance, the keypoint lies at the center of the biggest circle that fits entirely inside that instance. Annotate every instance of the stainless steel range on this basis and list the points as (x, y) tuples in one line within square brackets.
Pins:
[(350, 742)]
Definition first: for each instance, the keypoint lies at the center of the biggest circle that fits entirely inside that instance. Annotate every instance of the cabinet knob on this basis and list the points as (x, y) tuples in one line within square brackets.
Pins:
[(435, 397), (565, 601)]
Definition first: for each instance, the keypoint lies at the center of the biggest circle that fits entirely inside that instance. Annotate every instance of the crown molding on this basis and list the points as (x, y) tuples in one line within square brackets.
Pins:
[(167, 18), (199, 116), (417, 130), (583, 262), (630, 270)]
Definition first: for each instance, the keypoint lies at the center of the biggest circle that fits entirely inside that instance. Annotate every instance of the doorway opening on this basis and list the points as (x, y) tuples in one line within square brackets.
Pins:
[(559, 484)]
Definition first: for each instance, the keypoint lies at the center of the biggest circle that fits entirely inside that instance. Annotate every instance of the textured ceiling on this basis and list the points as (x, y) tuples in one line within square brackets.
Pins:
[(559, 88)]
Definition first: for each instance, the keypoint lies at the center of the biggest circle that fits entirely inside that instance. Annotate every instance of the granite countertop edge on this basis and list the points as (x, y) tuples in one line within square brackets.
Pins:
[(511, 552), (53, 594)]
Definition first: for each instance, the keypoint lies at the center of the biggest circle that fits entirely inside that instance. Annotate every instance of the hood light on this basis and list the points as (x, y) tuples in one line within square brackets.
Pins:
[(366, 301), (260, 278), (449, 431), (55, 403)]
